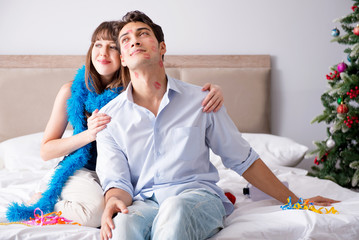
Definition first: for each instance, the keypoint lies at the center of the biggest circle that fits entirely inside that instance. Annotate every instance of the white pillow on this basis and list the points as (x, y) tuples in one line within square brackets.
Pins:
[(23, 153), (273, 150)]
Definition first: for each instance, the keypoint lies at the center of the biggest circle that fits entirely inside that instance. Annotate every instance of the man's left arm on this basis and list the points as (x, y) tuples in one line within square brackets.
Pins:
[(260, 176), (223, 137), (225, 140)]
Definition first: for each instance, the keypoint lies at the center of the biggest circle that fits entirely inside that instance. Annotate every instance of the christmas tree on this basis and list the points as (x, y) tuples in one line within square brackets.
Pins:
[(337, 157)]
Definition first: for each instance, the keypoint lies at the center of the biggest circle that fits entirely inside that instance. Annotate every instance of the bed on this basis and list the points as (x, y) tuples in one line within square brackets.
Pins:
[(29, 84)]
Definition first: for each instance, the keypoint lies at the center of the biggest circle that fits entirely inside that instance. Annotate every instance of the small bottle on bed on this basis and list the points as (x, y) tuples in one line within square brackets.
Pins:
[(255, 194)]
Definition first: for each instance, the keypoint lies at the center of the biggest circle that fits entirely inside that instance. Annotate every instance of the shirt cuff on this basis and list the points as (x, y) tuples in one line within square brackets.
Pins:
[(252, 157)]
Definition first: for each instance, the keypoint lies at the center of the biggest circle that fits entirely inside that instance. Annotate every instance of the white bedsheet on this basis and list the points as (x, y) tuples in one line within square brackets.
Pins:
[(250, 220)]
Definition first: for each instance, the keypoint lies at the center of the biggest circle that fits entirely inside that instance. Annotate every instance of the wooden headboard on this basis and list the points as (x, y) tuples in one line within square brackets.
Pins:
[(29, 84)]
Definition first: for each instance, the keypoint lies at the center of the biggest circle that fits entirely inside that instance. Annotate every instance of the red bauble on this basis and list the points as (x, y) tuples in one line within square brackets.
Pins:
[(342, 108), (231, 197), (356, 30)]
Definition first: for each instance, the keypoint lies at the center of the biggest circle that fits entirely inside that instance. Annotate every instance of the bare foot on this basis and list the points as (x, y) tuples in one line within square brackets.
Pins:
[(34, 198)]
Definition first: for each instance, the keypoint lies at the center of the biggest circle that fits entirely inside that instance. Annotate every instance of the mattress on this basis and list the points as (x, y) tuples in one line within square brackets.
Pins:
[(22, 168)]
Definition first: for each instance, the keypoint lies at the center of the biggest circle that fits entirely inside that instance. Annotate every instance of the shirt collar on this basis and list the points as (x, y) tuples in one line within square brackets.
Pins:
[(172, 85), (129, 92)]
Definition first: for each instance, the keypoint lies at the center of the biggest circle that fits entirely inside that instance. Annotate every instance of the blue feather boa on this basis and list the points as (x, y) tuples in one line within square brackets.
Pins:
[(81, 99)]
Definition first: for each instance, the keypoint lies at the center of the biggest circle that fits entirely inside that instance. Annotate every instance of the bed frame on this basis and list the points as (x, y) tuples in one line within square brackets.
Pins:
[(29, 84)]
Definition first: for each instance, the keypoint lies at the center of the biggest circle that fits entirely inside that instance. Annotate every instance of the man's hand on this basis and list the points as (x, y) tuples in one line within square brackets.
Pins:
[(113, 206), (322, 201)]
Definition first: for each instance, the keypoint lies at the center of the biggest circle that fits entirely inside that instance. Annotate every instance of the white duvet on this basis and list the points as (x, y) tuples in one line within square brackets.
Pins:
[(251, 220), (262, 219)]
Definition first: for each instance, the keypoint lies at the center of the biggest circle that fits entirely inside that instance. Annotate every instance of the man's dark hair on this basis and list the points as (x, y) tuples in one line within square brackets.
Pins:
[(138, 16)]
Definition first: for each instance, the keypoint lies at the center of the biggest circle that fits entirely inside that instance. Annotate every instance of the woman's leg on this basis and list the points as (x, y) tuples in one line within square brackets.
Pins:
[(193, 214), (41, 187), (137, 223), (82, 199)]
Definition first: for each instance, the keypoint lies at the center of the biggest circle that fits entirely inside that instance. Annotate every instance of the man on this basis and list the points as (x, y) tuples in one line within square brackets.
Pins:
[(153, 157)]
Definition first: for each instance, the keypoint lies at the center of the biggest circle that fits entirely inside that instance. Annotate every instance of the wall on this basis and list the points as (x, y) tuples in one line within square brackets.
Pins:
[(296, 34)]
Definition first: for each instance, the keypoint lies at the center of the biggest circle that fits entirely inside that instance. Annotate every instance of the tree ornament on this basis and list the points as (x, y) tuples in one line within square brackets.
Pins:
[(330, 143), (323, 159), (356, 30), (353, 93), (333, 75), (342, 67), (342, 108), (316, 162), (335, 32), (340, 100), (351, 120)]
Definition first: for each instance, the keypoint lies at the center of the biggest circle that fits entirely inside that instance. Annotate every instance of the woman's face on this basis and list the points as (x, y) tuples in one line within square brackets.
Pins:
[(106, 59)]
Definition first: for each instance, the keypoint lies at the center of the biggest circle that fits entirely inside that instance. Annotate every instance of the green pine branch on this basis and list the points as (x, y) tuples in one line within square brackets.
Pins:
[(338, 160)]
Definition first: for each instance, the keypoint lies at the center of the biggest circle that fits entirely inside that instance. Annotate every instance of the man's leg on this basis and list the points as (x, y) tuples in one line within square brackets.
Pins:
[(137, 223), (193, 214)]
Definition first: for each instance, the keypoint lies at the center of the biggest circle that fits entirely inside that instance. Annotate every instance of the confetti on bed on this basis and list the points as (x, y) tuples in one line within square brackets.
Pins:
[(52, 218), (306, 205)]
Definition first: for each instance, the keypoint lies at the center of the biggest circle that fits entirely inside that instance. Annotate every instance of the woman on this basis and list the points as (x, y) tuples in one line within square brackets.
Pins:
[(72, 187)]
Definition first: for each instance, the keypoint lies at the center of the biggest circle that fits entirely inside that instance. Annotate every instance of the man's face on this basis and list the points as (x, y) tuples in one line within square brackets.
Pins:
[(139, 45)]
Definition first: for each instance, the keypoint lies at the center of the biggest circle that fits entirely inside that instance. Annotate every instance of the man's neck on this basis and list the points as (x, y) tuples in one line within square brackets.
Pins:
[(148, 88)]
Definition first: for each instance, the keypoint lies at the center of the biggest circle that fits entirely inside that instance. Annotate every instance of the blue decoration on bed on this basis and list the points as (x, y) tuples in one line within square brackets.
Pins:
[(81, 99)]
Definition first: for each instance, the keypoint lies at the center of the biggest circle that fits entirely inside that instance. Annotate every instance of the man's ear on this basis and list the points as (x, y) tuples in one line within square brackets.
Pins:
[(163, 48), (123, 63)]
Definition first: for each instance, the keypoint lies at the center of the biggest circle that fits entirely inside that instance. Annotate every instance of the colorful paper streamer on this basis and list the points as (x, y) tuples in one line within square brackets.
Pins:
[(306, 205), (52, 218)]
